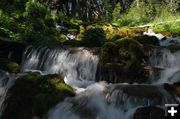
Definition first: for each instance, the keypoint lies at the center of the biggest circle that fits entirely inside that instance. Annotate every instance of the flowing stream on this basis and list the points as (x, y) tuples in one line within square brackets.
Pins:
[(98, 100), (6, 81)]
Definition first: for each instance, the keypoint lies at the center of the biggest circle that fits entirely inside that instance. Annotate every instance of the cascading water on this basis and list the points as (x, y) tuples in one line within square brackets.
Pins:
[(103, 101), (78, 65), (98, 100), (6, 81), (169, 65)]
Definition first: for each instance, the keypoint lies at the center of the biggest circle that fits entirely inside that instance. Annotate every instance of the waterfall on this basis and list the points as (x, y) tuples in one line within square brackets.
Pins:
[(169, 63), (6, 81), (103, 101), (98, 100), (76, 65)]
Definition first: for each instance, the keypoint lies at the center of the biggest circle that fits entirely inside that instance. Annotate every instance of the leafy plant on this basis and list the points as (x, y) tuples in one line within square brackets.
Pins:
[(94, 37)]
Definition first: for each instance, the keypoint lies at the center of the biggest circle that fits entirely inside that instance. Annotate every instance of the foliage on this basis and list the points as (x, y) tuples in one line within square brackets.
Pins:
[(36, 16), (146, 13), (173, 28), (8, 25), (34, 20), (94, 37), (34, 25), (137, 15), (116, 12)]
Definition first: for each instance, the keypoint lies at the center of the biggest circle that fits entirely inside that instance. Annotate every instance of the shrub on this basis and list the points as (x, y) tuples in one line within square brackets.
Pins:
[(94, 37), (35, 10)]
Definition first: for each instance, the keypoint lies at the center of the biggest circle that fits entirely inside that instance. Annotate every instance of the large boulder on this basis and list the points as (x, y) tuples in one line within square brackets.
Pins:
[(124, 59), (126, 51), (147, 40), (33, 95), (117, 73), (139, 95)]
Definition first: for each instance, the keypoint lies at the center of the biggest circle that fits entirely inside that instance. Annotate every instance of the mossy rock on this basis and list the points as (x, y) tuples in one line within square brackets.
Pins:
[(9, 65), (109, 52), (34, 94), (147, 40), (125, 51), (130, 51), (118, 73), (126, 31)]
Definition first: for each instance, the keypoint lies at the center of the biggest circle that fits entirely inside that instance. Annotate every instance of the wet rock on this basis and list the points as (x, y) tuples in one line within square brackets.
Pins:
[(149, 113), (117, 73), (139, 95), (33, 95), (125, 51), (147, 40)]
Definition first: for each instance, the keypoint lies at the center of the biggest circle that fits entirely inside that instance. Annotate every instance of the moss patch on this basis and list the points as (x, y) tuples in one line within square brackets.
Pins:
[(34, 94), (9, 65), (125, 51)]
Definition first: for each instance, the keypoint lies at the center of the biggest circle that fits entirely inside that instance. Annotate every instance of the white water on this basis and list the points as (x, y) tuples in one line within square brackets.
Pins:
[(98, 100), (103, 101), (163, 42), (93, 102), (6, 81), (169, 63), (78, 65)]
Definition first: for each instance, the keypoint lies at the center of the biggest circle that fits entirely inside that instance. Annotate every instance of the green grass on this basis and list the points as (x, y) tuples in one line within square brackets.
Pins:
[(172, 28)]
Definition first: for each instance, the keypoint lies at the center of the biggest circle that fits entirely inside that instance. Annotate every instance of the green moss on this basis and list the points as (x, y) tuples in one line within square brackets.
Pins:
[(132, 46), (125, 51), (34, 94), (9, 65)]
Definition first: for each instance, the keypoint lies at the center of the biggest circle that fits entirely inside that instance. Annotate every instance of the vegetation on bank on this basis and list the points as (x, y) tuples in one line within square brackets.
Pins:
[(38, 21)]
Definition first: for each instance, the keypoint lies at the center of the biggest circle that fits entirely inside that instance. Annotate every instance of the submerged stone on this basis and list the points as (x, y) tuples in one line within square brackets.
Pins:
[(149, 113)]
